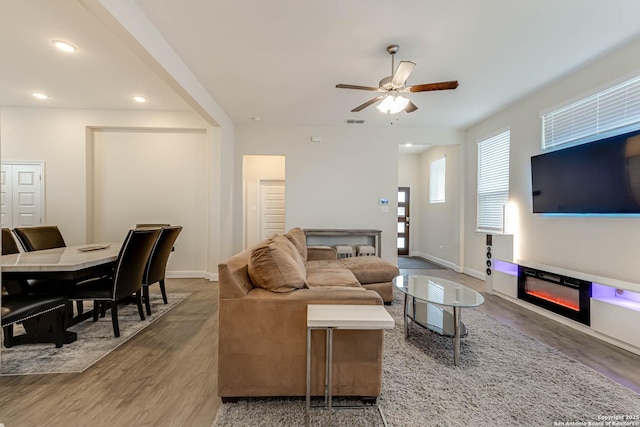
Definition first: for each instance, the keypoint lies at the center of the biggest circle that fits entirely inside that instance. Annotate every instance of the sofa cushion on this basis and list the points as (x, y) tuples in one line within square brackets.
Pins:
[(272, 267), (325, 263), (371, 269), (331, 277), (299, 240)]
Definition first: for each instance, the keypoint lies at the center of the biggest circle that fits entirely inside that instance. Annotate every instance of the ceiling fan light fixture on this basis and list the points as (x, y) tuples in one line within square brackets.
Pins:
[(393, 104)]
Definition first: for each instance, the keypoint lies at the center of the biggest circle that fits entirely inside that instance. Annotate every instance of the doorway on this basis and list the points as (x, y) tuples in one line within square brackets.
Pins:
[(264, 197), (404, 194)]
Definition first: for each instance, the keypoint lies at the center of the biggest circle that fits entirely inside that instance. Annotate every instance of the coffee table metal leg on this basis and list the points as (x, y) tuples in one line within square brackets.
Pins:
[(456, 336), (406, 320)]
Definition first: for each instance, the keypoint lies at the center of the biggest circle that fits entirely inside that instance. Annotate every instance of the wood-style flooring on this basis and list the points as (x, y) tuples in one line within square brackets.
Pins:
[(618, 364), (166, 375)]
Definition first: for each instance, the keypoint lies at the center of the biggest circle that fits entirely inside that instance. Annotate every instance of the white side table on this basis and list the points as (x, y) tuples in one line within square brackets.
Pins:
[(337, 316)]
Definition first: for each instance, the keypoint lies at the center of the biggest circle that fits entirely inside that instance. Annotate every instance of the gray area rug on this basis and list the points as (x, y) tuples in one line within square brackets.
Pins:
[(405, 262), (505, 379), (95, 340)]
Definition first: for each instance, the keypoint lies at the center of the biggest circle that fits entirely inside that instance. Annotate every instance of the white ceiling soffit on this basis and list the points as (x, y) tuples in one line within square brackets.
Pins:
[(413, 148), (102, 74), (281, 59)]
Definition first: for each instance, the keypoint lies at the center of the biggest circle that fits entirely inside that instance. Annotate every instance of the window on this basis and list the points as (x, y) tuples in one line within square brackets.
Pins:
[(437, 170), (607, 113), (493, 181)]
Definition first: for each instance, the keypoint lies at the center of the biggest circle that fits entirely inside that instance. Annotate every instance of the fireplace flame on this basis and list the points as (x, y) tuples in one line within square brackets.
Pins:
[(555, 299)]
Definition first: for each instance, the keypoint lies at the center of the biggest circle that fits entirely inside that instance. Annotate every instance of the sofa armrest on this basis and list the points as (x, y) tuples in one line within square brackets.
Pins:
[(262, 345), (317, 253)]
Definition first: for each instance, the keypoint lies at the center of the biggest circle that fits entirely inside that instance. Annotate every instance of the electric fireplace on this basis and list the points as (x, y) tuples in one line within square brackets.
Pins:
[(562, 295)]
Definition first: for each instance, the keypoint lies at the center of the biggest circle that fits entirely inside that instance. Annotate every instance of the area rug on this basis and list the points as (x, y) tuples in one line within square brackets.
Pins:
[(405, 262), (505, 379), (95, 340)]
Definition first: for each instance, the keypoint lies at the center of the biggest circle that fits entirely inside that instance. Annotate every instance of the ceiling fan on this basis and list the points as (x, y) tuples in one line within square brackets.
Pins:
[(392, 88)]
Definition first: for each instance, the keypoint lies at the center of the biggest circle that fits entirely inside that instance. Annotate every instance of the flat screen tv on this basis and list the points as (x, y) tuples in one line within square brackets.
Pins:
[(600, 177)]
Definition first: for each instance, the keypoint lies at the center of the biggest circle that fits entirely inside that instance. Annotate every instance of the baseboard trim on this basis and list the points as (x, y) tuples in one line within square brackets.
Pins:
[(474, 273), (443, 262), (186, 274)]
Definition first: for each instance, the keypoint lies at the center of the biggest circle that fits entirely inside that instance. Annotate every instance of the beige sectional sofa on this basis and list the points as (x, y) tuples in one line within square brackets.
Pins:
[(263, 296)]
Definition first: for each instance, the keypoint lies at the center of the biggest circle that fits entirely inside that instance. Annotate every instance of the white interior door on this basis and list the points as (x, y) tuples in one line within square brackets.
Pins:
[(271, 207), (22, 189), (6, 196)]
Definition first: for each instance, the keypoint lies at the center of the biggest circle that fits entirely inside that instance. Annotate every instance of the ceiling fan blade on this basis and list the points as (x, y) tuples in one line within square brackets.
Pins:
[(411, 107), (402, 72), (341, 86), (366, 104), (434, 86)]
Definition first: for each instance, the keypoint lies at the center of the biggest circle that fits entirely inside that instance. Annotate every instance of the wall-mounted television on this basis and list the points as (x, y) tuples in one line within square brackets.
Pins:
[(600, 177)]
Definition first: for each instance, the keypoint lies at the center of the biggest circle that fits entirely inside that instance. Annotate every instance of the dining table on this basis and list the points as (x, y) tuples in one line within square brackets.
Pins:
[(62, 268)]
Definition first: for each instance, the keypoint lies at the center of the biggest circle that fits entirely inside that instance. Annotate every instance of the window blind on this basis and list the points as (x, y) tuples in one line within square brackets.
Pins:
[(437, 170), (493, 181), (616, 108)]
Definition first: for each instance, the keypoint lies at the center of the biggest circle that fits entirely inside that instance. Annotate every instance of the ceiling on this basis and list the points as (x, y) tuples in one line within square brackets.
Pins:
[(281, 59)]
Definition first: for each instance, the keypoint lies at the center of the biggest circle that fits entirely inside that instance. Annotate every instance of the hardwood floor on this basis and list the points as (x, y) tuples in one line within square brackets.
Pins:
[(164, 376), (618, 364), (167, 376)]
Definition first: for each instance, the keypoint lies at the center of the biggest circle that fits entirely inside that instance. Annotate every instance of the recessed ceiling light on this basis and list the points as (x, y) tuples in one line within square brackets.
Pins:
[(140, 99), (39, 95), (408, 144), (255, 118), (64, 46)]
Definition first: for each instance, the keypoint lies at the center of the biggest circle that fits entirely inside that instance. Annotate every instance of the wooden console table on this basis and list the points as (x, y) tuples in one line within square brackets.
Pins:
[(373, 236)]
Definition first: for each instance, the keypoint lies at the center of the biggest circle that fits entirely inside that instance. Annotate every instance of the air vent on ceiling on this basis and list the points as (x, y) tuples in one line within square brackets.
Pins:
[(354, 121)]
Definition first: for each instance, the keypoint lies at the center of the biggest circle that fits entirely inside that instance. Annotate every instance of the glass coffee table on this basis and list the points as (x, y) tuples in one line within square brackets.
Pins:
[(425, 299)]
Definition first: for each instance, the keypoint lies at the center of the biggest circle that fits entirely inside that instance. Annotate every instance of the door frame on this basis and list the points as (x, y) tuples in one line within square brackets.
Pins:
[(43, 204)]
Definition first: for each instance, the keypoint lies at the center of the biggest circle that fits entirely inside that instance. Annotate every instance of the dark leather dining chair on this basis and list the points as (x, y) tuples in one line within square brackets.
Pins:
[(156, 267), (126, 279), (27, 287), (21, 308), (39, 237), (9, 245)]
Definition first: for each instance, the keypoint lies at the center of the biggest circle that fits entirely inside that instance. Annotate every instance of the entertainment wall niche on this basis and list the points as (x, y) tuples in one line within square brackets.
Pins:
[(603, 307)]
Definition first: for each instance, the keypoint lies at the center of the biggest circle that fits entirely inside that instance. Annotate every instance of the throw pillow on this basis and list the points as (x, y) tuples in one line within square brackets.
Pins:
[(271, 267), (299, 240), (286, 244)]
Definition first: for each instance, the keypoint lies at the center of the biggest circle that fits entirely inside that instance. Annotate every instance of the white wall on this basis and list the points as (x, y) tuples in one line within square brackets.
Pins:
[(440, 238), (603, 246), (153, 177), (62, 139), (338, 182), (254, 168)]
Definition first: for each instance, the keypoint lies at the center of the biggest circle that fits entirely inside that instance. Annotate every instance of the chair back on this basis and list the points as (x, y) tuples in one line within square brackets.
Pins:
[(132, 259), (39, 237), (151, 225), (9, 245), (157, 264)]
